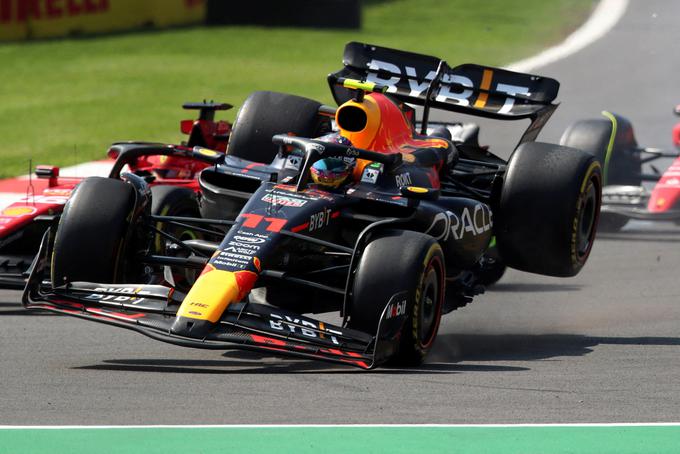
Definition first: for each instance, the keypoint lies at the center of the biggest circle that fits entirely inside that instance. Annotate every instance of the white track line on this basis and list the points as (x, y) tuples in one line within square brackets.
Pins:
[(88, 169), (100, 168), (606, 14), (326, 426)]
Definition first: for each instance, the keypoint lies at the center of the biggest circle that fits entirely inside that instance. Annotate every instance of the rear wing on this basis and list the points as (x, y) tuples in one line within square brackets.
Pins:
[(469, 89)]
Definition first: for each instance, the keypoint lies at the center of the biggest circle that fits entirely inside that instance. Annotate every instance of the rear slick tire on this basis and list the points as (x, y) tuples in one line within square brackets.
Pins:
[(266, 113), (549, 208)]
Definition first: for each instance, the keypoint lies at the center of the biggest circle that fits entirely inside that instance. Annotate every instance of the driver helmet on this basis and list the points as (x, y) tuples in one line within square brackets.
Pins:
[(330, 172), (335, 137)]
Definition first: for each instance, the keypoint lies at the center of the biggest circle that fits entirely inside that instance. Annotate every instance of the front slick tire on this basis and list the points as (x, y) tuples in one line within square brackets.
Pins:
[(89, 243), (395, 262)]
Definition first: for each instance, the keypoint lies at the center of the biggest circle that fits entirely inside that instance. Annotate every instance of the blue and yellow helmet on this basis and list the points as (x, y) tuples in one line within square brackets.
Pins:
[(330, 172)]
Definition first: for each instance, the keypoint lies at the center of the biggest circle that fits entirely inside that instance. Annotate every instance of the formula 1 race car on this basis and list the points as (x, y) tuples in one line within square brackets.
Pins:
[(23, 223), (372, 220), (612, 141)]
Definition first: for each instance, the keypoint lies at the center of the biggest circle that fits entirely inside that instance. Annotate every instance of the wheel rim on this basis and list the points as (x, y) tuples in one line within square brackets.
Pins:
[(587, 220), (430, 303)]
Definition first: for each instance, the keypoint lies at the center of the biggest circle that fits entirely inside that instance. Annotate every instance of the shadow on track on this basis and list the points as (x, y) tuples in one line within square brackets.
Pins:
[(18, 309), (532, 287), (523, 347), (451, 355), (281, 366)]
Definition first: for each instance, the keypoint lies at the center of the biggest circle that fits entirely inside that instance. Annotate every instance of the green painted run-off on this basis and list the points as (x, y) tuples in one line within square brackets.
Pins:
[(300, 440)]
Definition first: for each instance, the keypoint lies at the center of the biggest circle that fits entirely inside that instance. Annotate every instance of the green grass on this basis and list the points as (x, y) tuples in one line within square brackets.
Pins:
[(64, 101)]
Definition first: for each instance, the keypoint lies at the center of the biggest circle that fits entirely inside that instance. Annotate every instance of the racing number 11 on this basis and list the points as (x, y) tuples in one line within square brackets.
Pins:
[(253, 220)]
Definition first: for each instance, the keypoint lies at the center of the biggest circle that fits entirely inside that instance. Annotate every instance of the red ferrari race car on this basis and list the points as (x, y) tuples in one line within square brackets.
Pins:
[(171, 172), (381, 226), (624, 197)]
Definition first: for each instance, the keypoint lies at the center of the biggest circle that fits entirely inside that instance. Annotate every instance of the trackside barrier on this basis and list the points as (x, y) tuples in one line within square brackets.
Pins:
[(288, 13), (29, 19)]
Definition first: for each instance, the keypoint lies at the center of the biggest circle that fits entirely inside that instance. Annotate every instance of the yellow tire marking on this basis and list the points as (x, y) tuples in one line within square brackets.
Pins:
[(574, 231)]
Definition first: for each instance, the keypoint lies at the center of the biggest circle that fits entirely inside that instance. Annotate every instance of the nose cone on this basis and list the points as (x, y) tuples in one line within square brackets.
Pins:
[(676, 135), (210, 295), (664, 197), (208, 298)]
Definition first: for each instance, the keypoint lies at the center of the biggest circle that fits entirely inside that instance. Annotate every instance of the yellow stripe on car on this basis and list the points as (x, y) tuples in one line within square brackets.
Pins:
[(610, 147), (486, 84)]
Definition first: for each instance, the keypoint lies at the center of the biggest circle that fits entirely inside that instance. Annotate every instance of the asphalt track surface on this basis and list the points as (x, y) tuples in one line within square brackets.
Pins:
[(601, 347)]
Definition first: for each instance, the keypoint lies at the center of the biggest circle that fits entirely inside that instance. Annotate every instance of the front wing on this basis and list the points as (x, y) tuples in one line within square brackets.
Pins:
[(151, 310), (631, 202), (642, 214)]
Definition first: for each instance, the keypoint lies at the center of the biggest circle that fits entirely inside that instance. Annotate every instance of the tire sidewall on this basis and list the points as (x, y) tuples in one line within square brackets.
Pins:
[(414, 342), (578, 257)]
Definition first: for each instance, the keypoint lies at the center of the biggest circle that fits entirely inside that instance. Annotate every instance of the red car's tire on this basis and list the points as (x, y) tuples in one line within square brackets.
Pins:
[(266, 113), (612, 141), (175, 201)]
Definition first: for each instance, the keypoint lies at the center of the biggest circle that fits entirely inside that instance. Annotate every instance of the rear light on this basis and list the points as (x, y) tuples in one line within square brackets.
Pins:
[(676, 135)]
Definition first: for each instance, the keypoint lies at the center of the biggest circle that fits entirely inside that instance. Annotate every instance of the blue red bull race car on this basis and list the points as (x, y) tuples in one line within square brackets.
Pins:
[(344, 210)]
